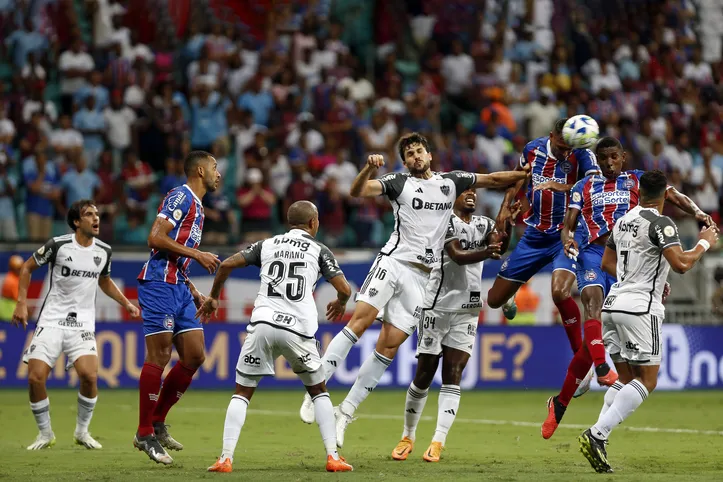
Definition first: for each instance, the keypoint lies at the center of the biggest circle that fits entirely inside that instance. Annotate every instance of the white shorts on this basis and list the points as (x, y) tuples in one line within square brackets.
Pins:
[(50, 342), (396, 289), (447, 328), (611, 340), (265, 343), (638, 337)]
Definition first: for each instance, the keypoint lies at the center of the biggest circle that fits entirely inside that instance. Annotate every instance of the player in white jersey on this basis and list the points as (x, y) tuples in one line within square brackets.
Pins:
[(449, 328), (639, 253), (79, 263), (283, 323), (422, 201)]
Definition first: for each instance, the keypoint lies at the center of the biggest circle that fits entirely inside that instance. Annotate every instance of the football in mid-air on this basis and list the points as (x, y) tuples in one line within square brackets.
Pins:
[(580, 132)]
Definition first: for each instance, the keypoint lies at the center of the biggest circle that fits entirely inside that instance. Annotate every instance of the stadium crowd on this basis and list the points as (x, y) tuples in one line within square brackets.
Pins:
[(102, 99)]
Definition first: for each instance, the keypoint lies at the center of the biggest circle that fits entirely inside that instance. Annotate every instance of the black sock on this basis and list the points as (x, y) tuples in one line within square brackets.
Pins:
[(602, 369)]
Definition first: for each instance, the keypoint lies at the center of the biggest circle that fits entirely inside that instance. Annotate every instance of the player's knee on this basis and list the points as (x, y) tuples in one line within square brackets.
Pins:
[(88, 379), (194, 361), (36, 378), (423, 379), (560, 293), (650, 382), (452, 375)]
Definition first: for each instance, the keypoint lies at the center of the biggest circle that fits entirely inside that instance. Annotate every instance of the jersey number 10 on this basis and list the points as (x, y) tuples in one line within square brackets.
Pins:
[(296, 284)]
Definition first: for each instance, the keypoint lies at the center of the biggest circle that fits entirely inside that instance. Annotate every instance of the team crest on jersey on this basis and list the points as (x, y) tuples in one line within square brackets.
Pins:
[(373, 292), (566, 167), (168, 322), (96, 260), (590, 275), (41, 250), (629, 184), (445, 190)]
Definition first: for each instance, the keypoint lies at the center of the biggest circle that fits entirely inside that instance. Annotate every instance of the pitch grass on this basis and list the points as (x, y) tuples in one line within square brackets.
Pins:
[(275, 445)]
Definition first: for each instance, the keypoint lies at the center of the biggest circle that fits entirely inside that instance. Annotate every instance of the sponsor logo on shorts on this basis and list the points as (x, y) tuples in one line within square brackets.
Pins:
[(445, 190), (168, 322), (252, 361), (373, 292), (427, 340), (87, 336), (283, 319), (632, 346), (31, 349), (590, 275), (304, 358), (609, 301), (470, 329), (474, 296), (504, 264)]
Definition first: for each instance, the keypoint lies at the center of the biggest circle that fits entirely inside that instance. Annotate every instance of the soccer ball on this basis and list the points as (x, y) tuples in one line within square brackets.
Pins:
[(580, 132)]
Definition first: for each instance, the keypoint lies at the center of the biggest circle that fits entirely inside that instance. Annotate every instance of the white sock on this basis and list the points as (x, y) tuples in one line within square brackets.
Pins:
[(449, 396), (85, 413), (413, 408), (41, 411), (235, 418), (324, 413), (610, 395), (369, 374), (630, 397), (337, 351)]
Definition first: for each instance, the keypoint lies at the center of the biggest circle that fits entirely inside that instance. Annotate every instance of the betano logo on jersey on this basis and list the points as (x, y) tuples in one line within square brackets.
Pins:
[(65, 271), (419, 204), (466, 245)]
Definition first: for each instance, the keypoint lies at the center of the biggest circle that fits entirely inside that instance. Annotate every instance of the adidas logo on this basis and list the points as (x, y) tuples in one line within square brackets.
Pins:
[(419, 190), (369, 389), (331, 362), (411, 410), (68, 259), (450, 411)]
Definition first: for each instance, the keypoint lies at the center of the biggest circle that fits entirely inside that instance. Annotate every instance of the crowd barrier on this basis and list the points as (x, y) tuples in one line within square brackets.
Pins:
[(505, 357)]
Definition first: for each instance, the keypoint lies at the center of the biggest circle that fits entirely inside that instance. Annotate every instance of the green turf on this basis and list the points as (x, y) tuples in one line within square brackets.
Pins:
[(276, 445)]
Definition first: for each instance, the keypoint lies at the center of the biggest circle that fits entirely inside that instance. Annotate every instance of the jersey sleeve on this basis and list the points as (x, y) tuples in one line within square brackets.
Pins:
[(610, 243), (576, 195), (46, 253), (489, 227), (588, 162), (328, 265), (175, 206), (392, 184), (462, 180), (524, 157), (664, 233), (451, 232), (252, 254), (106, 268)]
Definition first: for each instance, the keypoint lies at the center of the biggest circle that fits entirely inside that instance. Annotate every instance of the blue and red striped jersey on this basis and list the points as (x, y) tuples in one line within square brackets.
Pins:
[(184, 211), (602, 201), (547, 208)]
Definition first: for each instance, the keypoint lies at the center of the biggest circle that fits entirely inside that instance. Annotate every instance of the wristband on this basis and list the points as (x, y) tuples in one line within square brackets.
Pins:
[(704, 243)]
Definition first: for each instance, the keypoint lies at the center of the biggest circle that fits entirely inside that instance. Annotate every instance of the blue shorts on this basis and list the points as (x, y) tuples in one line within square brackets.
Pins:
[(590, 272), (535, 251), (167, 308)]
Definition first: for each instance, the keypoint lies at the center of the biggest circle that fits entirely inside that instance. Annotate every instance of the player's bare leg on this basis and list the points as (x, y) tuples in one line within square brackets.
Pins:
[(87, 369), (390, 338), (235, 419), (337, 351), (630, 397), (190, 346), (502, 295), (562, 283), (158, 354), (453, 364), (415, 402), (38, 372)]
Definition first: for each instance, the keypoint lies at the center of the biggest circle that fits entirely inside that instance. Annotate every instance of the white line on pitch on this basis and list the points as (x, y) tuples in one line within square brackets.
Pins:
[(479, 421)]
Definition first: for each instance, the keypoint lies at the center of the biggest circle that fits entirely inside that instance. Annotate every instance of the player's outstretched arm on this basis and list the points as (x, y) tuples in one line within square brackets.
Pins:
[(363, 185), (503, 235), (111, 289), (682, 261), (336, 309), (20, 315), (610, 262), (209, 306), (501, 179), (686, 204), (159, 239)]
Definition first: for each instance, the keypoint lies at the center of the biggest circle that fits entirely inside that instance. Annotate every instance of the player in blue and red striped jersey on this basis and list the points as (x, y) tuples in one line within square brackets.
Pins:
[(598, 201), (169, 301), (556, 167)]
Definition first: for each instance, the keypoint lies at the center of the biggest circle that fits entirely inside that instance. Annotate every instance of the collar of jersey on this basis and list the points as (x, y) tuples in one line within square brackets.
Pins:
[(298, 231), (650, 209), (75, 242), (192, 193)]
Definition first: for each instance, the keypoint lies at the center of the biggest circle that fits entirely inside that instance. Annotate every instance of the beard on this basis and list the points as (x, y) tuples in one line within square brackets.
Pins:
[(417, 171)]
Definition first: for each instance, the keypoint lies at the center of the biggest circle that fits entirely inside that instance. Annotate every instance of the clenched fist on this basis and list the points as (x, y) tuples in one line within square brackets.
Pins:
[(375, 160)]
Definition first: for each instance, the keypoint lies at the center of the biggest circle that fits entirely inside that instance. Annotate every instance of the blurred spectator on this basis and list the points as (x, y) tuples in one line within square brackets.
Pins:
[(8, 185), (41, 179), (138, 179), (457, 70), (220, 220), (331, 212), (174, 175), (678, 155), (10, 288), (25, 41), (119, 121), (657, 159), (94, 89), (74, 65), (106, 200), (65, 138), (32, 71), (79, 182), (304, 133), (90, 122), (302, 184), (279, 173), (698, 70), (707, 180), (256, 200), (541, 115), (258, 100)]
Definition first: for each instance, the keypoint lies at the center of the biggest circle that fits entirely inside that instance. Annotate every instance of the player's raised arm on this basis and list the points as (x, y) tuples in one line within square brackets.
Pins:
[(363, 186), (160, 240), (686, 204), (567, 235), (682, 261), (502, 179)]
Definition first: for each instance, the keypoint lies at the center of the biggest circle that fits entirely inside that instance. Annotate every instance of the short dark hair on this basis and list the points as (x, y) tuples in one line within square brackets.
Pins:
[(559, 125), (301, 213), (75, 211), (412, 138), (653, 185), (607, 142), (192, 160)]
